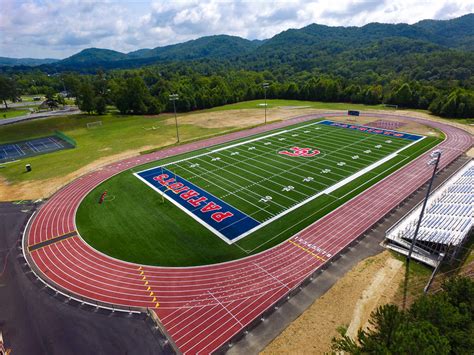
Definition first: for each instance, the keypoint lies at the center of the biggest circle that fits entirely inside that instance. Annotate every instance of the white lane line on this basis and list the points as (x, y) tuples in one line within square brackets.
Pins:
[(238, 321)]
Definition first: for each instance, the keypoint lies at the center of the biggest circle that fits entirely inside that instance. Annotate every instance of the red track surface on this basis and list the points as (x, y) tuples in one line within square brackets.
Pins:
[(203, 307)]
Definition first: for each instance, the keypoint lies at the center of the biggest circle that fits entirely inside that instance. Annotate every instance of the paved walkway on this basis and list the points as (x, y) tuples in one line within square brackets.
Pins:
[(68, 110)]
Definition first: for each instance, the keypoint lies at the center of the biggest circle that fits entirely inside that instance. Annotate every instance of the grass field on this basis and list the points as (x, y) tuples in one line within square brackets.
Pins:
[(12, 112), (260, 104), (117, 134), (135, 224)]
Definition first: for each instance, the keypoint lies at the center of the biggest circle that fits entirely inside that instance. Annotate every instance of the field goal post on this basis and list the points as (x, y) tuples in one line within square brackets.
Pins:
[(94, 124)]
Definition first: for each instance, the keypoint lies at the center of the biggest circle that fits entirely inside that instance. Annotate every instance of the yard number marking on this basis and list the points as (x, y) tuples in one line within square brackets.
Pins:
[(266, 199)]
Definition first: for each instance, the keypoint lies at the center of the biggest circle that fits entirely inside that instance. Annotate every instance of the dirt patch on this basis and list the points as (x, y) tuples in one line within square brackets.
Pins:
[(372, 282), (238, 118), (37, 189), (371, 295), (470, 153)]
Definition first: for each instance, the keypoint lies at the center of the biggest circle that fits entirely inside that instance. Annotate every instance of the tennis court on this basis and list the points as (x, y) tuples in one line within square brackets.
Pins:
[(23, 149)]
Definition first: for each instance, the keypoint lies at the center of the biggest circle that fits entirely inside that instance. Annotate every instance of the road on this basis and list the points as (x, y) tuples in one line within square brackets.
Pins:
[(35, 322), (68, 110)]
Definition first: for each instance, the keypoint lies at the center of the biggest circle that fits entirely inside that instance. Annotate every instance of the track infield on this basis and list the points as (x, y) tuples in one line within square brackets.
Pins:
[(229, 201), (205, 309)]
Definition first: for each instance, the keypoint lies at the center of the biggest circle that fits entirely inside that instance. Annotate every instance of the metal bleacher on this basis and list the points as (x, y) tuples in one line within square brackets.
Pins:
[(447, 222)]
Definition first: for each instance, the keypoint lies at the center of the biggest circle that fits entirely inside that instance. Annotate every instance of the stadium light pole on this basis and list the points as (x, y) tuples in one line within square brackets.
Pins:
[(265, 87), (174, 97), (436, 156)]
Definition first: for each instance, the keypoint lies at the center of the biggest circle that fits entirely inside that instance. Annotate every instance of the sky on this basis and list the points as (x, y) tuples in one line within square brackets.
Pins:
[(60, 28)]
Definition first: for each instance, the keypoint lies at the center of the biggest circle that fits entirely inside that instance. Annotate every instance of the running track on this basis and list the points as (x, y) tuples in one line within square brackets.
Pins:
[(204, 307)]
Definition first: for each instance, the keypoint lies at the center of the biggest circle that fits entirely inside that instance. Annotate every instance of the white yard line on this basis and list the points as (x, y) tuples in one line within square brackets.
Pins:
[(265, 187), (220, 178), (297, 204), (328, 190), (235, 145)]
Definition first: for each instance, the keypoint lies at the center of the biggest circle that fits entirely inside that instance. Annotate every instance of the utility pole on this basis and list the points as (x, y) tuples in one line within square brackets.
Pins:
[(436, 156), (174, 97), (265, 87)]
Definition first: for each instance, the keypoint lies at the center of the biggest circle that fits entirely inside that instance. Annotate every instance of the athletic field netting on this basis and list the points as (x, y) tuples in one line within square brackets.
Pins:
[(237, 188)]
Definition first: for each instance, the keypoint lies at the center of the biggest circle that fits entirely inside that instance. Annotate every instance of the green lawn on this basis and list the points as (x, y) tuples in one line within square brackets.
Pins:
[(12, 112), (116, 135), (135, 225), (29, 98)]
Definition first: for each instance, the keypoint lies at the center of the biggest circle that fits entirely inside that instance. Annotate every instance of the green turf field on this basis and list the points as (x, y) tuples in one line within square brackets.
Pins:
[(135, 224)]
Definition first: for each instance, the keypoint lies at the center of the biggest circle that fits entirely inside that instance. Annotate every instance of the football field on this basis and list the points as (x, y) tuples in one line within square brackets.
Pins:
[(236, 189), (230, 200)]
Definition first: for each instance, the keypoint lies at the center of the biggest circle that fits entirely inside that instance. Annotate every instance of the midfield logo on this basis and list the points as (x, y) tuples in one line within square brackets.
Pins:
[(300, 152)]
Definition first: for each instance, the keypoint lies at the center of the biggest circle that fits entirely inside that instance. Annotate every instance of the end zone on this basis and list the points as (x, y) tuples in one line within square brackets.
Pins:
[(227, 222)]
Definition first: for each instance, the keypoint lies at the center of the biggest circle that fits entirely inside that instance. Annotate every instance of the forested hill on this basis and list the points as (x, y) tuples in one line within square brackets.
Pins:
[(5, 61), (428, 65), (219, 47), (313, 46)]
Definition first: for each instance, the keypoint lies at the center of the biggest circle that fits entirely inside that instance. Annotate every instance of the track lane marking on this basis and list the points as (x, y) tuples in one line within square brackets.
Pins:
[(306, 250)]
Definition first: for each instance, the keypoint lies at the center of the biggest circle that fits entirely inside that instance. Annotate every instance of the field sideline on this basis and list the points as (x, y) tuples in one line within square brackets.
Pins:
[(251, 176), (214, 303)]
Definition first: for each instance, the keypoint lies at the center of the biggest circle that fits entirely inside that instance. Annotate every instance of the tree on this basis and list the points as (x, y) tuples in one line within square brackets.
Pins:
[(49, 93), (85, 98), (441, 323), (403, 96), (459, 103), (7, 90), (100, 105), (133, 96)]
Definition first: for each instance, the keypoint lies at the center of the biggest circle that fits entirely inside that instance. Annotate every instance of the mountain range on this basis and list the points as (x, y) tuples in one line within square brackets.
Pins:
[(424, 36)]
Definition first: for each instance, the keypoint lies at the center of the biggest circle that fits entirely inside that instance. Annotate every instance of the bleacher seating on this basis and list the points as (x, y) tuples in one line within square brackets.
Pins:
[(447, 221)]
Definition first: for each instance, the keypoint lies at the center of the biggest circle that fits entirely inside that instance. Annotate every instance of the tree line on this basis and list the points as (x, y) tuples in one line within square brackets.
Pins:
[(146, 90)]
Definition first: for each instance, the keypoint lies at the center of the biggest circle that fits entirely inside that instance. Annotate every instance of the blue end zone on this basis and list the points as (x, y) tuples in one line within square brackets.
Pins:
[(221, 218), (372, 130)]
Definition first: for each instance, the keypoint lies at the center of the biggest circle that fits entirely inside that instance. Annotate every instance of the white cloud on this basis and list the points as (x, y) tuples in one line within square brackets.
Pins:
[(58, 28)]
